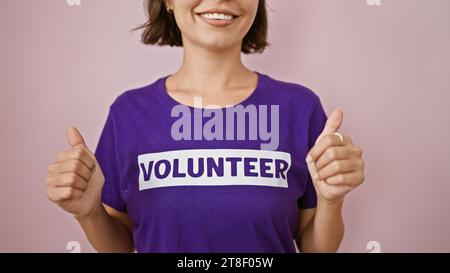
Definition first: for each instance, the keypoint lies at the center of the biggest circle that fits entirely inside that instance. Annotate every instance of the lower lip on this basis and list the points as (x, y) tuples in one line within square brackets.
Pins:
[(218, 23)]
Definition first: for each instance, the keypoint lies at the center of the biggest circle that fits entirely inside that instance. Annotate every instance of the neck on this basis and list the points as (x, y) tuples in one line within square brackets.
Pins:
[(211, 71)]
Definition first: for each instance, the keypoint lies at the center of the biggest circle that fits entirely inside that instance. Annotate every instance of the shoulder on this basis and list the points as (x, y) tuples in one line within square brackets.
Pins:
[(290, 91), (145, 94)]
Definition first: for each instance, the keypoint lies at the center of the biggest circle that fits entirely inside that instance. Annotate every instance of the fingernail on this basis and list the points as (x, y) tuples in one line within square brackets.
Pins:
[(309, 158)]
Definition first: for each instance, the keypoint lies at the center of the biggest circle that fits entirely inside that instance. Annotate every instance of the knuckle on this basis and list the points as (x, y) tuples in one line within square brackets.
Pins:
[(65, 195), (329, 140), (65, 152), (332, 153), (60, 155), (337, 165), (49, 195), (78, 152), (68, 193), (73, 178), (48, 181), (51, 168), (76, 164), (362, 163), (70, 178)]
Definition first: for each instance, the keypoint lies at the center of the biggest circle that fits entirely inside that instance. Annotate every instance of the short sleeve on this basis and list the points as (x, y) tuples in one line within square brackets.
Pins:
[(316, 126), (106, 154)]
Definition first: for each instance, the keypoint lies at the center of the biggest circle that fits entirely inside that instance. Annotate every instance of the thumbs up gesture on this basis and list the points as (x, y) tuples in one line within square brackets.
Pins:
[(336, 167), (75, 180)]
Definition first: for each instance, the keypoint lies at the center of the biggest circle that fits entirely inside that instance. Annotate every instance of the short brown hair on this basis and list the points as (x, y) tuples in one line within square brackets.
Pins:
[(161, 28)]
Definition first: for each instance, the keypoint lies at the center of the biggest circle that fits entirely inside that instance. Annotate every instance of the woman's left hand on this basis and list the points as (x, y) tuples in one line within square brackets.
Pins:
[(335, 167)]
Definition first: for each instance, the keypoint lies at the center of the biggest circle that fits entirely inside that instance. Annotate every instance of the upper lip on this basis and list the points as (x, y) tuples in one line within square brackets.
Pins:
[(222, 10)]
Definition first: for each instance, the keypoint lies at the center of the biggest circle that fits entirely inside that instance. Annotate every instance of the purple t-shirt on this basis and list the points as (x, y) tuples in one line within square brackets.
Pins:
[(225, 194)]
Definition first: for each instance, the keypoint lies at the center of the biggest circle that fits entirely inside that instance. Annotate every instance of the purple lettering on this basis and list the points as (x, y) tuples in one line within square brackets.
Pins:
[(211, 165), (263, 167), (201, 167), (166, 172), (233, 161), (248, 167), (281, 166)]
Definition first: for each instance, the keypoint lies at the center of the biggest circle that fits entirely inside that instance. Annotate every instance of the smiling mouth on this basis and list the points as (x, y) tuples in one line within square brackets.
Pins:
[(217, 16)]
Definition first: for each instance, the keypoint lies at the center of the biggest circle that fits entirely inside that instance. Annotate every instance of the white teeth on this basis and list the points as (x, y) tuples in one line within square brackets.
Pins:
[(217, 16)]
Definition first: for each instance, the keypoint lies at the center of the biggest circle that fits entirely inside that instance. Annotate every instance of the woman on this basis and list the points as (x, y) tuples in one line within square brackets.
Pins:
[(170, 175)]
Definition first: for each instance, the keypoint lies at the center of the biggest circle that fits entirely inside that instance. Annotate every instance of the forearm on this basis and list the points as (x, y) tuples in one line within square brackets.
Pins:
[(325, 232), (106, 233)]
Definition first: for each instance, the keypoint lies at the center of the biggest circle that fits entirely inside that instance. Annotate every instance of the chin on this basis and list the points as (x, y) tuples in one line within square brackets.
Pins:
[(218, 43), (218, 47)]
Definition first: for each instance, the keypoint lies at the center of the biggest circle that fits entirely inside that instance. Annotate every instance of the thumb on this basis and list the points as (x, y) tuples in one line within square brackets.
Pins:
[(74, 137), (76, 140), (333, 123)]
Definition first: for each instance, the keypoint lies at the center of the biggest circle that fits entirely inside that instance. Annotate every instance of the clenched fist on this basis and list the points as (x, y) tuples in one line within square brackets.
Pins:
[(75, 180)]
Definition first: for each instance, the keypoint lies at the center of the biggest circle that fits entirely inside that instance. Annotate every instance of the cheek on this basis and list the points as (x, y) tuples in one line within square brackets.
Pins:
[(185, 21), (184, 15), (246, 24), (250, 8)]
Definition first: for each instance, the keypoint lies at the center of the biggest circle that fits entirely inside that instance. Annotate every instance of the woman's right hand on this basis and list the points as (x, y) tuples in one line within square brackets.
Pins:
[(75, 180)]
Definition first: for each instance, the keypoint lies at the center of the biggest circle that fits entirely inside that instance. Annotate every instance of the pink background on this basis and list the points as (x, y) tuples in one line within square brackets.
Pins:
[(387, 67)]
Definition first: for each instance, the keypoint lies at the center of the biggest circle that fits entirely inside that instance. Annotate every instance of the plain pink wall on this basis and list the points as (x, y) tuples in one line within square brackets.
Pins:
[(386, 66)]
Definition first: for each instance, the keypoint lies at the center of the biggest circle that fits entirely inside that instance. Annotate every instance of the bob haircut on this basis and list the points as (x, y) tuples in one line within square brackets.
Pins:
[(161, 28)]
